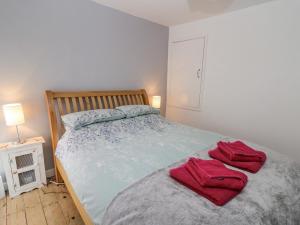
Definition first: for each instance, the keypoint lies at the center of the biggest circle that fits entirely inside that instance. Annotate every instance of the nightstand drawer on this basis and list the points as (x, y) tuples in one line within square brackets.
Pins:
[(23, 158), (26, 180)]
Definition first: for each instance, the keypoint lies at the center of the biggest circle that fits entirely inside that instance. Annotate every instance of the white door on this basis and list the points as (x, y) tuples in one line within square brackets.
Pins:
[(185, 73)]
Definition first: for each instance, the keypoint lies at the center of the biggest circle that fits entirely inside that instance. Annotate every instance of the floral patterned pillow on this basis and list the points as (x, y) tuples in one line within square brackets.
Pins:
[(137, 110), (84, 118)]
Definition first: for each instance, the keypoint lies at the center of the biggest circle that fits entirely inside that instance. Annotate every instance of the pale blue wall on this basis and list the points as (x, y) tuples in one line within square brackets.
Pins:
[(73, 45)]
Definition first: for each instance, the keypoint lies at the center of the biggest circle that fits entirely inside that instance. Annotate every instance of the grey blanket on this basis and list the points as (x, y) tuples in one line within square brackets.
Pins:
[(272, 196)]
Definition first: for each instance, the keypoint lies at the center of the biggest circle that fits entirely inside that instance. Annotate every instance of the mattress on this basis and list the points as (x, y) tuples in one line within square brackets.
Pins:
[(103, 159)]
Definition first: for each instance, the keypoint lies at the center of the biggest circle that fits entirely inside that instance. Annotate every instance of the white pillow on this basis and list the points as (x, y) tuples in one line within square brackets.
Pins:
[(137, 110), (84, 118)]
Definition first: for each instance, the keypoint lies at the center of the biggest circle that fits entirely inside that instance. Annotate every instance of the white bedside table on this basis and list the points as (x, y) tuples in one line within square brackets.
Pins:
[(24, 165)]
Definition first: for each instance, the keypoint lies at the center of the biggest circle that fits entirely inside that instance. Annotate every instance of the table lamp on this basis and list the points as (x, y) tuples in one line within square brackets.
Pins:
[(14, 116), (156, 101)]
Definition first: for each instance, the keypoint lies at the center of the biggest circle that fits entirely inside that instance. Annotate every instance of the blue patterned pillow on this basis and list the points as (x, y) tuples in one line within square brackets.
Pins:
[(84, 118), (137, 110)]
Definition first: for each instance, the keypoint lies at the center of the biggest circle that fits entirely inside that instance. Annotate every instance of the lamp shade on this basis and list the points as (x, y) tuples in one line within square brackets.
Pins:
[(13, 114), (156, 101)]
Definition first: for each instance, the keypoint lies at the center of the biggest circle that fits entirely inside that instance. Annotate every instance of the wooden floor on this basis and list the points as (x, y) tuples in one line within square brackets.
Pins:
[(50, 205)]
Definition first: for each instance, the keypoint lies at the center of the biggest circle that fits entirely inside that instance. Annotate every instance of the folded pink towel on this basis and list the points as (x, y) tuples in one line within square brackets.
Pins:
[(219, 196), (213, 173), (238, 151), (252, 167)]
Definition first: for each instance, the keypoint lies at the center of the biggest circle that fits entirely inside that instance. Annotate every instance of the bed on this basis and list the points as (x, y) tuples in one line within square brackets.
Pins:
[(117, 171)]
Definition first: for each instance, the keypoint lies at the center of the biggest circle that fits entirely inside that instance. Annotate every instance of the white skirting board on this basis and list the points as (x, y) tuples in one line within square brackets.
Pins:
[(49, 173)]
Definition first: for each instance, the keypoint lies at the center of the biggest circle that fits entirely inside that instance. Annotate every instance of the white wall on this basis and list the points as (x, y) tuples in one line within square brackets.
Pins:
[(252, 78)]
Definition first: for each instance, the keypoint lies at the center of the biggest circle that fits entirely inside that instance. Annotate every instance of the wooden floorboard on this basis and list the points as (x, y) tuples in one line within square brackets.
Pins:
[(18, 218), (51, 205), (35, 215), (3, 211), (15, 205)]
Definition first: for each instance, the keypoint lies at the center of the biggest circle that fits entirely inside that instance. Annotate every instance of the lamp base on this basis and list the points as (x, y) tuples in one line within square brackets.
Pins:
[(19, 139)]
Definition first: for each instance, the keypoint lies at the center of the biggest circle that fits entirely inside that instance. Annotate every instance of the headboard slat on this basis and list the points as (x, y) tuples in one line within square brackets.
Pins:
[(120, 100), (81, 104), (75, 106), (105, 102), (87, 102), (68, 105), (141, 99), (138, 100), (110, 103), (60, 106), (129, 100), (115, 101), (125, 100), (99, 102), (133, 100), (94, 103)]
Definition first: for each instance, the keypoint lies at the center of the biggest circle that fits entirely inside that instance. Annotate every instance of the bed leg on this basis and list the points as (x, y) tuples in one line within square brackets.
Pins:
[(58, 177)]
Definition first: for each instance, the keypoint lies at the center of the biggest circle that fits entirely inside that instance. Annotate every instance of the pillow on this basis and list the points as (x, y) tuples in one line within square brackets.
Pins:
[(84, 118), (137, 110)]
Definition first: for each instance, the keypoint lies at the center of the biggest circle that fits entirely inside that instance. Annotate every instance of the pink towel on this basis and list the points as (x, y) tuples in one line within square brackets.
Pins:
[(238, 151), (213, 173), (219, 196), (252, 167)]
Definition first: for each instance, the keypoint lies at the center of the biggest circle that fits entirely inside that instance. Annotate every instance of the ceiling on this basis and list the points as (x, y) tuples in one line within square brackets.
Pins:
[(172, 12)]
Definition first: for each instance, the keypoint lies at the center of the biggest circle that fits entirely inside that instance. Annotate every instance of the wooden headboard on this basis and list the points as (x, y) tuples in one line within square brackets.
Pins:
[(60, 103)]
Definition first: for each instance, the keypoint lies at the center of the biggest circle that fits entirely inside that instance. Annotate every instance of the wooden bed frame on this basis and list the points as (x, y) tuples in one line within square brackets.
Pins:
[(60, 103)]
